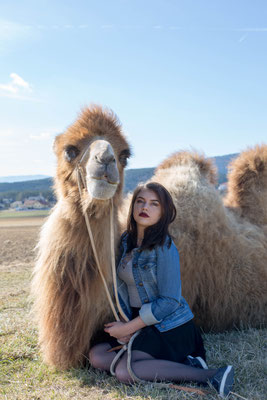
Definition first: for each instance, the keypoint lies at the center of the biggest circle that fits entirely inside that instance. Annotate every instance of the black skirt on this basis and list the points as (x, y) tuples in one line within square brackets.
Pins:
[(173, 345)]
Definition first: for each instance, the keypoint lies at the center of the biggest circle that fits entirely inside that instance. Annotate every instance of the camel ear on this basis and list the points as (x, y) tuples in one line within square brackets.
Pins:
[(123, 157), (70, 153), (56, 143)]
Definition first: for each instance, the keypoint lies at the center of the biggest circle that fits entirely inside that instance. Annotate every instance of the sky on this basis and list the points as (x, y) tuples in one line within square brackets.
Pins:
[(179, 74)]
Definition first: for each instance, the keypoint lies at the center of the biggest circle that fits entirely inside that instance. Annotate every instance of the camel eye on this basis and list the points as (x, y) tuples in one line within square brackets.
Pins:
[(71, 153), (123, 157)]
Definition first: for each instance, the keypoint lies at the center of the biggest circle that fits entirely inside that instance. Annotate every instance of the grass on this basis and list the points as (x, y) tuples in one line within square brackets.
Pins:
[(23, 214), (23, 375)]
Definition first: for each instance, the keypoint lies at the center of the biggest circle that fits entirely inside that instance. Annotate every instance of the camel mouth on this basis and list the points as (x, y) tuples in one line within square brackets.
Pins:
[(105, 179), (101, 188)]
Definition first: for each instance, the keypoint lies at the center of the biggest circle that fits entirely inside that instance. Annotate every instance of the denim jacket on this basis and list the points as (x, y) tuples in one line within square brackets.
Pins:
[(157, 277)]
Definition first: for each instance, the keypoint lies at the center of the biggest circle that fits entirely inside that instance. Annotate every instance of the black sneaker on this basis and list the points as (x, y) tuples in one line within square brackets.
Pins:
[(223, 380), (196, 362)]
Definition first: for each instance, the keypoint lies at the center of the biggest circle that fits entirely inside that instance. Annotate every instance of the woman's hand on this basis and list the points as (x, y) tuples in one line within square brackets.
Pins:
[(121, 329), (125, 339), (117, 329)]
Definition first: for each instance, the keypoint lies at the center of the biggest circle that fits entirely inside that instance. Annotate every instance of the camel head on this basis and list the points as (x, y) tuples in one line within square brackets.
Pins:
[(96, 145)]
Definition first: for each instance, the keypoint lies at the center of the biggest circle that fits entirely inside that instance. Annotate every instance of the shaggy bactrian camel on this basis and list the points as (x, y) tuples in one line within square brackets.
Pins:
[(223, 248), (70, 304), (223, 252)]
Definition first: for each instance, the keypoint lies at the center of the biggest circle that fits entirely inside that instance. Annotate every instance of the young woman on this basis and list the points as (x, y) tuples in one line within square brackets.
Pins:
[(169, 346)]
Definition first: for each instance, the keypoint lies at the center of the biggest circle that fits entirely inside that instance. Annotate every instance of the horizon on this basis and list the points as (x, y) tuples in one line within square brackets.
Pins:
[(179, 75), (18, 178)]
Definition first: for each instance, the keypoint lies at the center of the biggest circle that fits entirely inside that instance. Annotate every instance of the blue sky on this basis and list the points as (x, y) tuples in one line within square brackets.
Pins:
[(179, 74)]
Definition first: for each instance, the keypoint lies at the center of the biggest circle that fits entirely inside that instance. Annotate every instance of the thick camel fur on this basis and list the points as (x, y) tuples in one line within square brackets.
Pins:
[(223, 250), (69, 301), (247, 183)]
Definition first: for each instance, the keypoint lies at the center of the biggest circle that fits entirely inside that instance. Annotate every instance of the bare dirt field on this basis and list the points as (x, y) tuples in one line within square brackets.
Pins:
[(23, 375), (18, 241), (21, 221)]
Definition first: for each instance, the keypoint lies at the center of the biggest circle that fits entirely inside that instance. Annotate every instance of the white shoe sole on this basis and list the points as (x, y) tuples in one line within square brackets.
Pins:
[(228, 371), (202, 362)]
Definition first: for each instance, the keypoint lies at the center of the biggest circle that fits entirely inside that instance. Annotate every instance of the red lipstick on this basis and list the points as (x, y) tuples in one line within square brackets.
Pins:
[(144, 215)]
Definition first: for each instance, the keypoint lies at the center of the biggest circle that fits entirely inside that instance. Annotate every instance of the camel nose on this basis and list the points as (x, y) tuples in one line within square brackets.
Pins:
[(102, 152), (102, 162), (105, 158)]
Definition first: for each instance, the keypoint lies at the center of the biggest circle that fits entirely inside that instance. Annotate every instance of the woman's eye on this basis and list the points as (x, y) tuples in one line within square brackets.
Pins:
[(139, 201), (155, 204)]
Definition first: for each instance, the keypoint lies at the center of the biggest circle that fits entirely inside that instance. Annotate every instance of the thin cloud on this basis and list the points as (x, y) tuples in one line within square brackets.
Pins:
[(175, 28), (45, 135), (250, 30), (42, 136), (7, 132), (18, 88), (10, 143), (10, 30), (107, 26), (20, 82), (242, 38)]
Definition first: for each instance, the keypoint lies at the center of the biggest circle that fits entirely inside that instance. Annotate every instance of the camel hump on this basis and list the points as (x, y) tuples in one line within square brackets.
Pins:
[(205, 166), (247, 184)]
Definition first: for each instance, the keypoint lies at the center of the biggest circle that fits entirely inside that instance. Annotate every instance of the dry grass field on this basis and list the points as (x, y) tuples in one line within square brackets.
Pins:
[(24, 376)]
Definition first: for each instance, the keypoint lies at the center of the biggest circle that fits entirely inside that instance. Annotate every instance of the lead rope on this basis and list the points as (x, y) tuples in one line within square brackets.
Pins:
[(81, 183), (126, 347), (113, 266)]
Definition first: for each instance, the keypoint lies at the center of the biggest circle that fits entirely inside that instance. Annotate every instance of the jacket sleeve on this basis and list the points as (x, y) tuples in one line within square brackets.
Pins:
[(169, 287)]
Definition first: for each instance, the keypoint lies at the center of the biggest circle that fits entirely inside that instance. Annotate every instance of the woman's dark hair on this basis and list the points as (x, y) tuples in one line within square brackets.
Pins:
[(156, 234)]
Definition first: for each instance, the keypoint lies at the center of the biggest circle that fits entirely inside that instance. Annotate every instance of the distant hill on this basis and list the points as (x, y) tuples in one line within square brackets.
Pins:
[(22, 189), (135, 176), (221, 163), (22, 178), (37, 185)]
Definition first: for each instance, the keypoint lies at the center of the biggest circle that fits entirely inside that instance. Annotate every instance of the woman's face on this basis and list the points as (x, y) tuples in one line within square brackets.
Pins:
[(147, 209)]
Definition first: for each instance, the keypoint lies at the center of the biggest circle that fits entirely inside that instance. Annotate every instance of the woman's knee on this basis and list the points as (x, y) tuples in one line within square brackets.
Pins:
[(96, 356)]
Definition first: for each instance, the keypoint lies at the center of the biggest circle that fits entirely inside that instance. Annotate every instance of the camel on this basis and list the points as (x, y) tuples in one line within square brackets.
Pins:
[(223, 254), (69, 302), (222, 243)]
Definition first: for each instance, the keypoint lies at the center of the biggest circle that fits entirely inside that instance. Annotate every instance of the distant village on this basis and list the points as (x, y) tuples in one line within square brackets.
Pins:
[(30, 203), (41, 203)]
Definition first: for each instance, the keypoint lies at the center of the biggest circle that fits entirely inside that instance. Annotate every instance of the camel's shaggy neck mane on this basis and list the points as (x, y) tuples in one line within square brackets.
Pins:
[(70, 302), (247, 185)]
